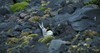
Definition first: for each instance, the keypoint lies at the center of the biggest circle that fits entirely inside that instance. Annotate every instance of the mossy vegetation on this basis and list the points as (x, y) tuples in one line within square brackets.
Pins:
[(24, 33), (33, 35), (12, 41), (43, 6), (35, 19), (90, 33), (19, 6), (97, 2), (19, 42), (46, 39)]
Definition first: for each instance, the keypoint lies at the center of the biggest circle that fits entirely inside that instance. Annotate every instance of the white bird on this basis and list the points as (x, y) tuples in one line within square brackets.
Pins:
[(44, 31), (49, 33)]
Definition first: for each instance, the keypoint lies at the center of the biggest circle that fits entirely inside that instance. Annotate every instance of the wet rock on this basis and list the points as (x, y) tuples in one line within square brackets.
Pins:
[(55, 4), (26, 49), (67, 9), (60, 18), (15, 34), (7, 27), (35, 2), (5, 2), (55, 45), (85, 13), (4, 10), (82, 25), (39, 48), (37, 31), (79, 14), (39, 13), (95, 42), (77, 5), (64, 3), (26, 25), (63, 48), (4, 26), (29, 31), (1, 18), (18, 28), (3, 48), (75, 1)]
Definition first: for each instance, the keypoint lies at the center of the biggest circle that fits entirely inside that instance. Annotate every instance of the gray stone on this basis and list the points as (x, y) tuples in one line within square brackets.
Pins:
[(5, 2), (55, 45), (4, 26), (1, 18), (67, 9), (4, 10), (75, 1), (55, 4), (85, 12), (86, 1), (82, 25), (39, 48)]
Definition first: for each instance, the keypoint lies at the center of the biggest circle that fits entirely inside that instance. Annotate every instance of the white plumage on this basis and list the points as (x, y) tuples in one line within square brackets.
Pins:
[(49, 33), (44, 31)]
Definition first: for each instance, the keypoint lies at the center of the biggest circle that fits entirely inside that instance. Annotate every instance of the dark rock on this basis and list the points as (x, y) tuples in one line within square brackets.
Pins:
[(82, 25), (55, 45), (35, 2), (5, 2), (26, 25), (39, 48), (37, 31), (4, 10), (4, 26), (95, 42), (39, 13), (26, 49), (15, 33), (79, 14), (3, 48), (84, 13), (75, 1), (94, 14), (60, 19), (27, 30), (55, 4), (1, 18), (64, 3), (77, 5), (18, 28), (63, 48), (67, 9)]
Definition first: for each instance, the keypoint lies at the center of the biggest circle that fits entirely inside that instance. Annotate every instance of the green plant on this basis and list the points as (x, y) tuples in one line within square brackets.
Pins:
[(19, 6), (43, 8), (33, 35), (97, 2), (46, 39), (35, 19), (12, 41)]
